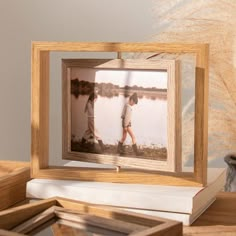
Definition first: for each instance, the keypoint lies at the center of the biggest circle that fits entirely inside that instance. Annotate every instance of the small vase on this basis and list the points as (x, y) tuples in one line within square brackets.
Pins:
[(230, 185)]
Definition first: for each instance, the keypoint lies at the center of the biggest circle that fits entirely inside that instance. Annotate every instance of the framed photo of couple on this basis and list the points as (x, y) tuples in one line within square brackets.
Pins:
[(125, 113)]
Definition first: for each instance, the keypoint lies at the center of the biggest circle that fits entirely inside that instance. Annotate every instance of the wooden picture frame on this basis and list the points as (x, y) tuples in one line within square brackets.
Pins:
[(31, 218), (13, 178), (40, 115), (135, 74)]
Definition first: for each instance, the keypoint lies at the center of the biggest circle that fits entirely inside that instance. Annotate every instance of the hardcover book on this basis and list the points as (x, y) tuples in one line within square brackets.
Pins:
[(187, 200)]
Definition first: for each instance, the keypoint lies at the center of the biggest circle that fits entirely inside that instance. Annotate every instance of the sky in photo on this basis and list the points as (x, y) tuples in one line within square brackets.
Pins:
[(144, 78)]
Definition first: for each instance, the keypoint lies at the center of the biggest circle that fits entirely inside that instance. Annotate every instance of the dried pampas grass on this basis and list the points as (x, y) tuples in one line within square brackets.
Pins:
[(213, 22)]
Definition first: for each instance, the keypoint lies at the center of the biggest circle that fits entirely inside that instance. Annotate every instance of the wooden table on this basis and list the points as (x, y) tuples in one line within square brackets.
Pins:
[(219, 219)]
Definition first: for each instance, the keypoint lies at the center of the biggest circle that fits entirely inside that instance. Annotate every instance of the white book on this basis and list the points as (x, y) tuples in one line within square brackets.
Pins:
[(186, 219), (189, 200)]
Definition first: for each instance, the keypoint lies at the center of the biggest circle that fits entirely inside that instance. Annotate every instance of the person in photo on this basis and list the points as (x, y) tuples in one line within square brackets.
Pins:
[(126, 126), (91, 130)]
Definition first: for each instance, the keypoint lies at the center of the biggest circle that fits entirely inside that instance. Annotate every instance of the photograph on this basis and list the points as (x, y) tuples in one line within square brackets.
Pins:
[(117, 112)]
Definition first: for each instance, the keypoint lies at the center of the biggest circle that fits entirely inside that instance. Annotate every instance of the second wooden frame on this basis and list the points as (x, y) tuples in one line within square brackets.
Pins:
[(88, 69)]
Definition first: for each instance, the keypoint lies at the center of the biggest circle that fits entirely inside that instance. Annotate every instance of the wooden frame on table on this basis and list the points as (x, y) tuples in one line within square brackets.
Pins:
[(80, 218), (40, 115), (161, 78), (13, 178)]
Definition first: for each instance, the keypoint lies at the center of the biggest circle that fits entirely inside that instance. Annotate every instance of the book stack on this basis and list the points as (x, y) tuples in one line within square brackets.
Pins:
[(184, 204)]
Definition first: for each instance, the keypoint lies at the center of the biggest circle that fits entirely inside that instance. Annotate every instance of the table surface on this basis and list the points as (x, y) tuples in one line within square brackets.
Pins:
[(219, 219)]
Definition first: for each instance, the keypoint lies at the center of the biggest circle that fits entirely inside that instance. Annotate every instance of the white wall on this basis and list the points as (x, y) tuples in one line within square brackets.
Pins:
[(56, 20)]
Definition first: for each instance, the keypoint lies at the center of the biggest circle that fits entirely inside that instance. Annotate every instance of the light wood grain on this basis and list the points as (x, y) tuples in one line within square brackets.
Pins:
[(40, 95), (168, 228), (32, 217), (97, 221), (112, 213), (40, 110), (12, 217), (221, 212), (89, 229), (201, 115), (124, 176), (8, 233), (13, 178), (218, 219), (118, 47), (62, 230), (41, 227), (220, 230), (35, 221)]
